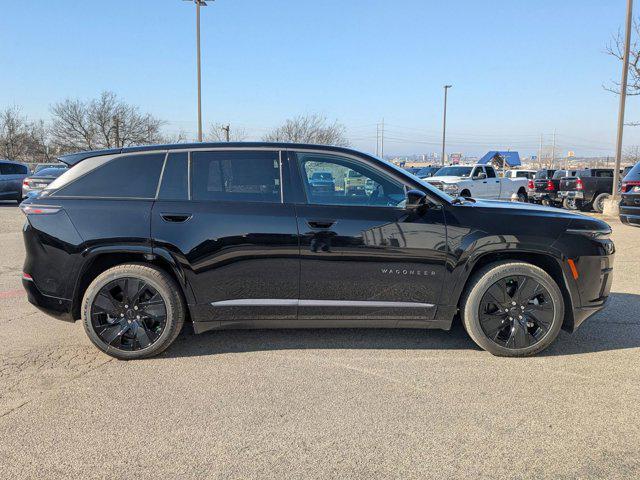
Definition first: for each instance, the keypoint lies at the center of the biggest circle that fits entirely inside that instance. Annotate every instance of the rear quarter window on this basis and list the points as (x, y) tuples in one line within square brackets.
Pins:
[(127, 176)]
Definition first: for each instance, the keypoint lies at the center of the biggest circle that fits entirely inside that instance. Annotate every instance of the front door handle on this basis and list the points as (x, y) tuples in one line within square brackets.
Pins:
[(320, 223), (176, 217)]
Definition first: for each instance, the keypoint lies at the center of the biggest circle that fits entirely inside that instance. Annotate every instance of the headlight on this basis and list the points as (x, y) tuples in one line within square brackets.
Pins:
[(450, 188)]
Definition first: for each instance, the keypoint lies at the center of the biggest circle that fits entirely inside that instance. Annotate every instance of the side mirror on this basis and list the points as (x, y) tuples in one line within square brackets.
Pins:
[(481, 176), (415, 199)]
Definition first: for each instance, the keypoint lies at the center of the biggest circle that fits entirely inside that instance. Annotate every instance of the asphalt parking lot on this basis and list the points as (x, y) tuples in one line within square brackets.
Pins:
[(319, 403)]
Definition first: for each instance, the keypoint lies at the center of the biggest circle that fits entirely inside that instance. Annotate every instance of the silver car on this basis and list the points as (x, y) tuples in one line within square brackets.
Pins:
[(33, 184), (11, 176)]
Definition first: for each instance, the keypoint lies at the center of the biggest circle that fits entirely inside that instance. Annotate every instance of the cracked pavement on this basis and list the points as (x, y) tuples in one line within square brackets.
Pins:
[(319, 403)]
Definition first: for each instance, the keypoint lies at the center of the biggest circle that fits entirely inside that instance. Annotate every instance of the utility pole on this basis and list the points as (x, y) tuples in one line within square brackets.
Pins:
[(377, 139), (199, 3), (444, 122), (226, 129), (623, 99), (553, 150), (382, 140), (540, 154)]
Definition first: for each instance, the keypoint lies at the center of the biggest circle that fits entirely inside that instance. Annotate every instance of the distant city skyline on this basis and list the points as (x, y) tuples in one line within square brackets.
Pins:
[(517, 70)]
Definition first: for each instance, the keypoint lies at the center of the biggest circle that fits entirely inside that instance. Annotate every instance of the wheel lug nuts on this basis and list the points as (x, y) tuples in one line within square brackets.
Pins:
[(122, 314), (513, 303), (138, 317), (506, 310), (126, 306), (136, 307), (520, 317)]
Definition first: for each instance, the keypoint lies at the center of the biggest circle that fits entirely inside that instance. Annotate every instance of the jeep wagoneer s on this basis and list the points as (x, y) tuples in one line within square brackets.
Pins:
[(137, 241)]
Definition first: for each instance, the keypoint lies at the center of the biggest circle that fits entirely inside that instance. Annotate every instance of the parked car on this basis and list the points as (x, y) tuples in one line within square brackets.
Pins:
[(11, 176), (547, 185), (426, 172), (322, 182), (589, 188), (135, 241), (35, 183), (630, 197), (478, 181), (355, 183), (39, 166), (528, 174)]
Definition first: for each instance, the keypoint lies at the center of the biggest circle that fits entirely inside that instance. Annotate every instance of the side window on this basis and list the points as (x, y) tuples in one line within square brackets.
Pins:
[(4, 169), (238, 176), (335, 180), (174, 184), (604, 173), (128, 176), (491, 173)]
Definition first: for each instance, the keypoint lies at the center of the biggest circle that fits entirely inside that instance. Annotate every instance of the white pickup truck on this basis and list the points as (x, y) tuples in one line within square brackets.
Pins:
[(478, 181)]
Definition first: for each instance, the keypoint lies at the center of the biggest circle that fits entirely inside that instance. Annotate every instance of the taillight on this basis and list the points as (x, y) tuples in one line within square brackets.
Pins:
[(579, 185), (550, 186), (628, 186), (30, 209), (25, 183), (531, 185)]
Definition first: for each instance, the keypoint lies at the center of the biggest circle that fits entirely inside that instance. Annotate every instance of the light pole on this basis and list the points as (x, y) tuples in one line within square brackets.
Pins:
[(199, 3), (444, 121), (623, 98)]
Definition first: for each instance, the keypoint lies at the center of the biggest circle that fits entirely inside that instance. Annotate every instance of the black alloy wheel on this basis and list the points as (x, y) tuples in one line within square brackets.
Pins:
[(128, 314), (516, 312)]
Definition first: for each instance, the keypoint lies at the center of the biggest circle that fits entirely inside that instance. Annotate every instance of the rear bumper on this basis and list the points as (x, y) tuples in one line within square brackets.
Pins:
[(571, 194), (59, 308), (630, 214)]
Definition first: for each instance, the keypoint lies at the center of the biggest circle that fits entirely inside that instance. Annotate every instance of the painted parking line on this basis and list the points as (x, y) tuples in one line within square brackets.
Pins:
[(12, 293)]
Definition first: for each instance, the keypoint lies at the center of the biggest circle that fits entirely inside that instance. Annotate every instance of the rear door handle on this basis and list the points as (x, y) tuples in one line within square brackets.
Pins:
[(176, 217), (320, 223)]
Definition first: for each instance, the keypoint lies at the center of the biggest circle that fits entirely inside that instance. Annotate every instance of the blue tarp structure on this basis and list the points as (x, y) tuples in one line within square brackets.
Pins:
[(512, 159)]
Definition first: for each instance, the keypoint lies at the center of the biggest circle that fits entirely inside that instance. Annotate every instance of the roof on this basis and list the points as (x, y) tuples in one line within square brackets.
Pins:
[(512, 159), (74, 158)]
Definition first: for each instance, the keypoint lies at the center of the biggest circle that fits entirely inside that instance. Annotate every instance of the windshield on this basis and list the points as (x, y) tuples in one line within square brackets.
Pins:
[(453, 172), (426, 171)]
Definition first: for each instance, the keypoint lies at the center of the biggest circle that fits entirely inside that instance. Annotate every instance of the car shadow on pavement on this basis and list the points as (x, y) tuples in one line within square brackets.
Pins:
[(611, 329), (8, 203)]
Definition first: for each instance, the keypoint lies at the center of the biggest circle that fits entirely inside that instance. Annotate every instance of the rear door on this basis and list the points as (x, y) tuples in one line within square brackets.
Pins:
[(364, 257), (221, 215), (4, 179)]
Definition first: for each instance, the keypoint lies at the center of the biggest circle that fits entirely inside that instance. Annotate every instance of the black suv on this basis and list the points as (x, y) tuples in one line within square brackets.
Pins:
[(137, 241), (630, 193)]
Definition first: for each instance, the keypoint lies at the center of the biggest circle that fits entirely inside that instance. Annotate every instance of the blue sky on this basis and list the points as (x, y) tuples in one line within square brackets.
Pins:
[(518, 67)]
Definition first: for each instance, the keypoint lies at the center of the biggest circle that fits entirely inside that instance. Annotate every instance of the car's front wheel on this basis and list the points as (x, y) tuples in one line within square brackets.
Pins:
[(133, 311), (512, 309)]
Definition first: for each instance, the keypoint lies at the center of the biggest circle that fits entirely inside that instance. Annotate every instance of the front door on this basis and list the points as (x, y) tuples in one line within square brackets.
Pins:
[(234, 237), (364, 257)]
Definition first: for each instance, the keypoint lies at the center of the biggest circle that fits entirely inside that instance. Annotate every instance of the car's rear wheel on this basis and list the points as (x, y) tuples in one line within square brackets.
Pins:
[(570, 203), (522, 196), (512, 309), (133, 311), (598, 203)]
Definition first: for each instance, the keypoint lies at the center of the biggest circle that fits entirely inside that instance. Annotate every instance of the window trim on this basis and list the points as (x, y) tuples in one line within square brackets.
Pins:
[(234, 149), (365, 161)]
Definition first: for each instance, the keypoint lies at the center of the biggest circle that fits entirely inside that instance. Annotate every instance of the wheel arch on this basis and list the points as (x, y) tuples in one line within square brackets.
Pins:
[(102, 258), (545, 261)]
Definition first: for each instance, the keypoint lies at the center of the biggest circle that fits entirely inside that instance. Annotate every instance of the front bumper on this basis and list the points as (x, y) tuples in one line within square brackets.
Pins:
[(59, 308)]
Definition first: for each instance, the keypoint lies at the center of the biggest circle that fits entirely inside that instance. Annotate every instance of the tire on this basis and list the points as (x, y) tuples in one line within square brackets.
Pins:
[(465, 194), (598, 203), (515, 335), (522, 197), (131, 332), (569, 204)]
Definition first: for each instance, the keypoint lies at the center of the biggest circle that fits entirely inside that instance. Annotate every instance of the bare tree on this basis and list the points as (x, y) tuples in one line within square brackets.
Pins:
[(615, 48), (309, 129), (632, 154), (217, 133), (14, 133), (105, 122)]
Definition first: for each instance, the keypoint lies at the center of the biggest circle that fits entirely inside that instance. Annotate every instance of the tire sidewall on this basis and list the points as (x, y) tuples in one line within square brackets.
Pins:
[(485, 279), (172, 305)]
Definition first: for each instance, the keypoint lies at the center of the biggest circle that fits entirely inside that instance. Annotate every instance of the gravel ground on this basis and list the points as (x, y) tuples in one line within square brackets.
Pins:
[(319, 403)]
